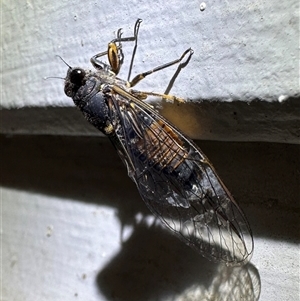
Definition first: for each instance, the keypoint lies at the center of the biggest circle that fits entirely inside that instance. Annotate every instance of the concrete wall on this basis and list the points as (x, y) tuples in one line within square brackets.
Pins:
[(242, 81), (65, 195)]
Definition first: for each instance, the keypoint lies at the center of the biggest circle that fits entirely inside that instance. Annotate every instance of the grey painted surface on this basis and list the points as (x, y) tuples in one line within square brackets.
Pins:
[(243, 52)]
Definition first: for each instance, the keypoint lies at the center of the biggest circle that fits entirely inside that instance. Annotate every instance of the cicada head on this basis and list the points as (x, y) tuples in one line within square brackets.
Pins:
[(74, 80), (81, 86)]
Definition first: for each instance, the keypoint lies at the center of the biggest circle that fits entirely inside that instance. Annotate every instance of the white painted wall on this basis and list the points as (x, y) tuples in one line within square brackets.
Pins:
[(64, 199), (245, 67)]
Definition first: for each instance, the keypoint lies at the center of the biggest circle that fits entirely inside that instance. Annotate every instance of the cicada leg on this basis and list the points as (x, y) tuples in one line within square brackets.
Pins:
[(115, 53), (141, 76), (142, 95)]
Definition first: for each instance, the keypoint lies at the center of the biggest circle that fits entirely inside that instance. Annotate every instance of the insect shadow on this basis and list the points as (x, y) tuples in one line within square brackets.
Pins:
[(154, 265)]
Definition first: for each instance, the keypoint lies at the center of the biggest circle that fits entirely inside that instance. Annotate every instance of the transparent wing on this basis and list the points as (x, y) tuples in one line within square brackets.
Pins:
[(179, 185)]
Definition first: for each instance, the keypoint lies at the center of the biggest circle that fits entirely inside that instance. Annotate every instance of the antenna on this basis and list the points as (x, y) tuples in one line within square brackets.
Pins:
[(45, 78), (63, 61)]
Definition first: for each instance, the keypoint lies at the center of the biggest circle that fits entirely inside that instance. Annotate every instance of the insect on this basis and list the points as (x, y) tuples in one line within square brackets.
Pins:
[(174, 178)]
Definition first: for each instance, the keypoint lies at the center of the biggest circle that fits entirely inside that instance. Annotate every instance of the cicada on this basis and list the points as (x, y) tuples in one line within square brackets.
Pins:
[(173, 176)]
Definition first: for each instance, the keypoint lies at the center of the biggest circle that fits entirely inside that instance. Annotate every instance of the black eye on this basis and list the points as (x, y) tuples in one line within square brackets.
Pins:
[(76, 76)]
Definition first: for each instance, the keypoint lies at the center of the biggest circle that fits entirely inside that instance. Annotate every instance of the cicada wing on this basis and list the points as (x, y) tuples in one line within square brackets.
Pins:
[(206, 219), (180, 186)]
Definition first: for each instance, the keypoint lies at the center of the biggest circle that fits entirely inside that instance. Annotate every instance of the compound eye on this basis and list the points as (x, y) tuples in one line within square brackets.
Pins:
[(76, 76)]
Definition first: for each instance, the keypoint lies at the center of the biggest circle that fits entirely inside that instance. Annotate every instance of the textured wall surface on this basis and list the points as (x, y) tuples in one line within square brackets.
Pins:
[(243, 75), (67, 199), (71, 218)]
